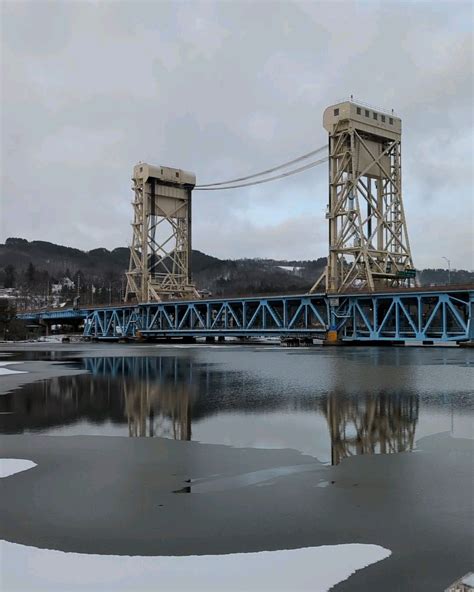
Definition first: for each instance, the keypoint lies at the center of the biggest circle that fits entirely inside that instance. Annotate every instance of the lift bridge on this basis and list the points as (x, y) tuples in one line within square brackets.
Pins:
[(367, 293)]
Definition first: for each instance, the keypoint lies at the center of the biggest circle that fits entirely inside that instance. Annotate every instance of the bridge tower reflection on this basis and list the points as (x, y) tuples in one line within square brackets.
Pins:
[(158, 393), (158, 410), (381, 423)]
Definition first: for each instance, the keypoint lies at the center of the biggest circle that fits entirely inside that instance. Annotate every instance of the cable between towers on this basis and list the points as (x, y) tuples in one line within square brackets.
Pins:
[(229, 184)]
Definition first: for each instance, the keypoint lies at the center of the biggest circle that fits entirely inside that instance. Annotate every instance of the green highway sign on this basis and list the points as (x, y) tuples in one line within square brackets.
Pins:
[(406, 273)]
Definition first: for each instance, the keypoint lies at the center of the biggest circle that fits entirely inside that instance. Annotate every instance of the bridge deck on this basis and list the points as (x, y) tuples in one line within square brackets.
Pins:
[(410, 315)]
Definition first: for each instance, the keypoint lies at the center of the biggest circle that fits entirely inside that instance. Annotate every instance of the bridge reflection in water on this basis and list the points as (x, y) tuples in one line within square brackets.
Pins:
[(158, 410), (162, 396), (383, 423), (159, 393)]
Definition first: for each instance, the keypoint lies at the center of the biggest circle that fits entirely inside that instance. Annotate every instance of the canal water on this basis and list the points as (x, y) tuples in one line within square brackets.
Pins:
[(330, 403)]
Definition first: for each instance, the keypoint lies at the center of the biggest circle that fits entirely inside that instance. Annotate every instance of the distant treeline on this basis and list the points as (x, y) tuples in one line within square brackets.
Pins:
[(32, 268)]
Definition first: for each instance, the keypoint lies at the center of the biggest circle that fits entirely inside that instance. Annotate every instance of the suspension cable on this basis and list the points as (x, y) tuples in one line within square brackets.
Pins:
[(280, 176), (273, 169)]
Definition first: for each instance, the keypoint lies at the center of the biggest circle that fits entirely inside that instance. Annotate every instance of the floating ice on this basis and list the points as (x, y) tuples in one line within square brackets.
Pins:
[(4, 371), (10, 466)]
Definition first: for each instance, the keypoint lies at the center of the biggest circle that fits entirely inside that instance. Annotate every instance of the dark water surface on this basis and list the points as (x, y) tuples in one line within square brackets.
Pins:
[(329, 403)]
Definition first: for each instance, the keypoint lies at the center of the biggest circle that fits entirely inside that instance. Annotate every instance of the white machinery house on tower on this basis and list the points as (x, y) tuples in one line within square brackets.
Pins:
[(160, 253), (368, 240)]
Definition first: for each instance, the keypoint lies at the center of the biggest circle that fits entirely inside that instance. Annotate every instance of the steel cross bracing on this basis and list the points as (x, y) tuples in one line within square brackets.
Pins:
[(160, 253), (401, 316)]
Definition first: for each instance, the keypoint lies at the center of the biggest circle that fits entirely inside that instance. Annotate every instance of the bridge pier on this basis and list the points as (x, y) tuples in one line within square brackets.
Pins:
[(332, 338), (332, 334), (44, 325)]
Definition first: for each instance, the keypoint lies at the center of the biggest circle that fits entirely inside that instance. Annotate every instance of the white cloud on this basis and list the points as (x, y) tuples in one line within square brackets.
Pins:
[(79, 147)]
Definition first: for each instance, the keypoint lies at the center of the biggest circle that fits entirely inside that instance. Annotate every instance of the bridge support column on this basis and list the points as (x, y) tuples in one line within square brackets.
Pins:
[(332, 334), (332, 338)]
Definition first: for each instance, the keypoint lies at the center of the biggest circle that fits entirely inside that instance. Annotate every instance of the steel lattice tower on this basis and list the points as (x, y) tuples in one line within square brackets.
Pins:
[(160, 253), (368, 240)]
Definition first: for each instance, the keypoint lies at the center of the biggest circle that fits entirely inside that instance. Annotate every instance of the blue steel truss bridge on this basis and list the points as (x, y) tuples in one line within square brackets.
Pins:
[(429, 316), (367, 292)]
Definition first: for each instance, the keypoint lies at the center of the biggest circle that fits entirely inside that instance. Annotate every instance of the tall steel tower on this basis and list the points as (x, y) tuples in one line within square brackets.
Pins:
[(160, 253), (368, 240)]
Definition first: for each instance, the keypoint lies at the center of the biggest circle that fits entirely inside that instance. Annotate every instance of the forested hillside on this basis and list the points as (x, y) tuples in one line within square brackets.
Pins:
[(37, 269)]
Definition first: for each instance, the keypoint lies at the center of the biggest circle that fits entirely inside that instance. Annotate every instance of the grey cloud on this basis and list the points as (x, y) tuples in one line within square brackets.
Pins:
[(89, 89)]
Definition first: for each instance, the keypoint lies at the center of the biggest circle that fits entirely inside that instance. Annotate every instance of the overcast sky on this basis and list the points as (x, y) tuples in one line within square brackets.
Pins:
[(225, 89)]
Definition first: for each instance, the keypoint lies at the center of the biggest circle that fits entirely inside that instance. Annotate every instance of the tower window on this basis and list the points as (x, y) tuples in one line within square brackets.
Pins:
[(375, 116), (359, 110), (383, 118), (367, 113), (336, 111), (391, 121), (177, 174)]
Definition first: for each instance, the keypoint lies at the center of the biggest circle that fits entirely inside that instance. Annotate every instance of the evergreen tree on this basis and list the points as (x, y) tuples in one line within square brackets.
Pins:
[(31, 274), (10, 276), (7, 314)]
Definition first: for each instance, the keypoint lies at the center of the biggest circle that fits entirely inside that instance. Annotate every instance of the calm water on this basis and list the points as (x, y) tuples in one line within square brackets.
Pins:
[(329, 403)]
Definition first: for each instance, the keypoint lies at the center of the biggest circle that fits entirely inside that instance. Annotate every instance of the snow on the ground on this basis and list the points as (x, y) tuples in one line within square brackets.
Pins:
[(4, 371), (52, 338), (312, 568), (10, 466)]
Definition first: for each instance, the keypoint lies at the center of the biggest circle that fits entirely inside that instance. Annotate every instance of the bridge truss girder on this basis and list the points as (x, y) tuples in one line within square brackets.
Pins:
[(409, 316)]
